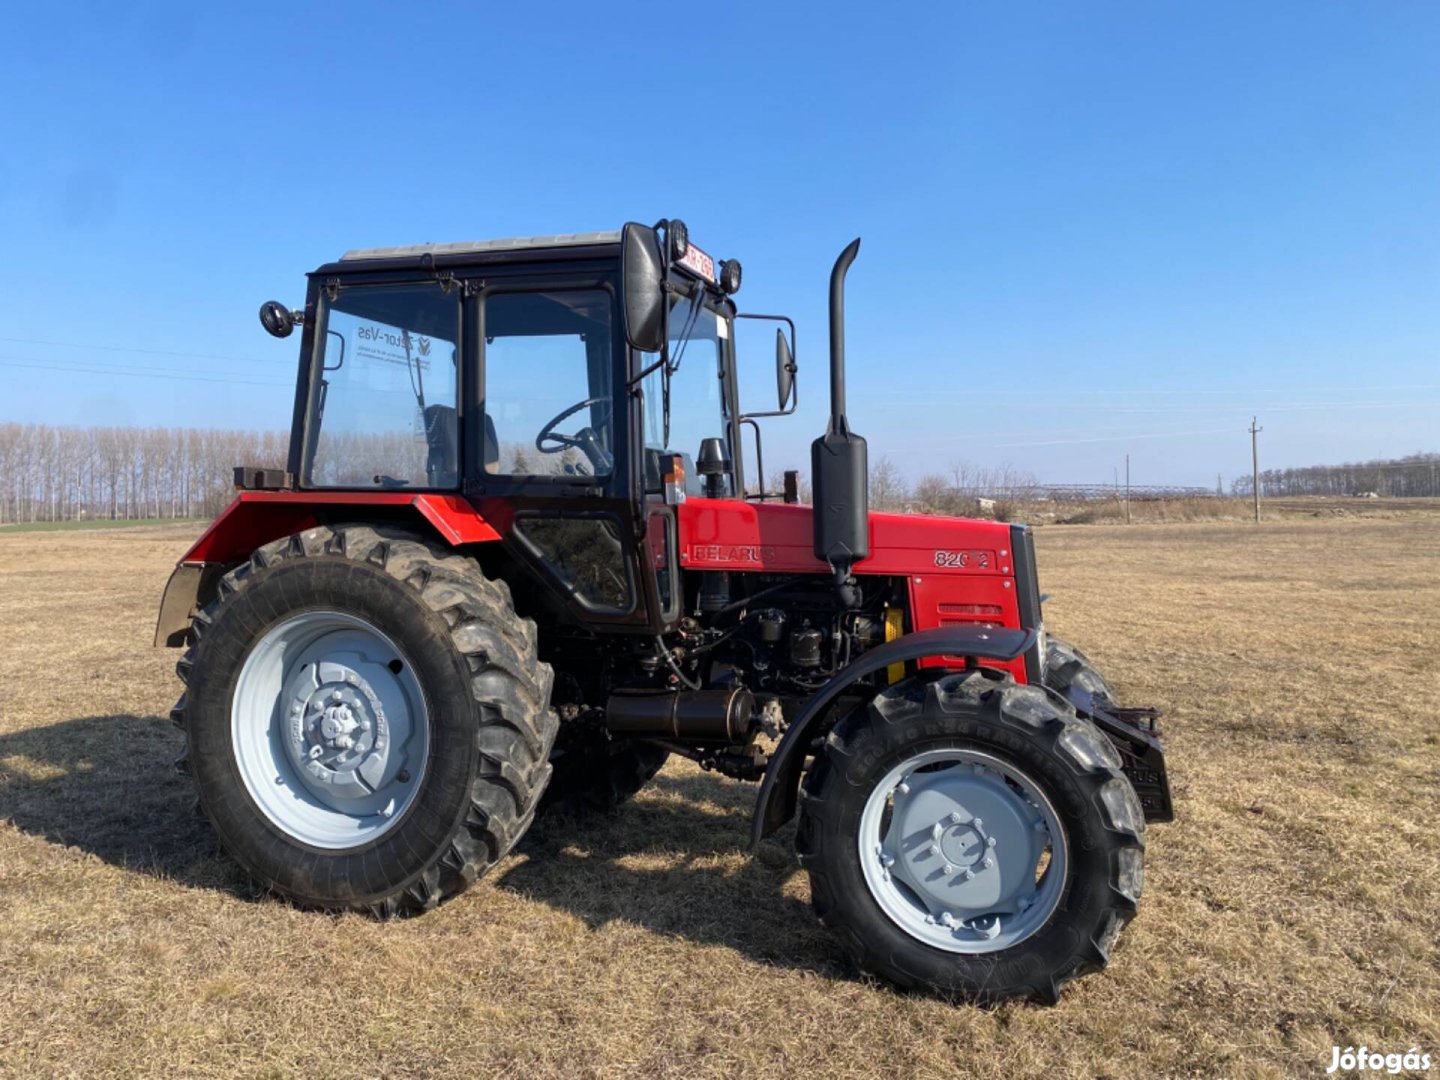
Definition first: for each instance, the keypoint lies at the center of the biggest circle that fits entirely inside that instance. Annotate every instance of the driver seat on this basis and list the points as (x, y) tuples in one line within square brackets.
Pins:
[(442, 440)]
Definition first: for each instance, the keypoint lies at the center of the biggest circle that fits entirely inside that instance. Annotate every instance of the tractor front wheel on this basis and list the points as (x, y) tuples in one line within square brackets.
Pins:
[(972, 837), (1067, 666), (365, 719)]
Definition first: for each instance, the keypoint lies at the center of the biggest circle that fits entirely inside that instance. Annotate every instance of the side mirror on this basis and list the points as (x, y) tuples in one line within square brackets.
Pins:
[(642, 274), (277, 319), (784, 368)]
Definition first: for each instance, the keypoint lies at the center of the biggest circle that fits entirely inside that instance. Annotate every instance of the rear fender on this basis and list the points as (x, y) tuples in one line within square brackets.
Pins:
[(257, 517), (779, 790)]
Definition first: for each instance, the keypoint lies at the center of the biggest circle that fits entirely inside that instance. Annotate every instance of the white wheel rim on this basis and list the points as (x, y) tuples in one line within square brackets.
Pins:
[(963, 851), (330, 730)]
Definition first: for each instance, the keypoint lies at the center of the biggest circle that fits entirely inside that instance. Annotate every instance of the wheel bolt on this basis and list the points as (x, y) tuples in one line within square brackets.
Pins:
[(969, 874), (990, 841), (949, 869), (955, 819), (336, 696), (977, 822), (989, 864), (934, 849)]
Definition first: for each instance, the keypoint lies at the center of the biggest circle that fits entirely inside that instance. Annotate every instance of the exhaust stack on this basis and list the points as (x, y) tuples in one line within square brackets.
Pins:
[(838, 459)]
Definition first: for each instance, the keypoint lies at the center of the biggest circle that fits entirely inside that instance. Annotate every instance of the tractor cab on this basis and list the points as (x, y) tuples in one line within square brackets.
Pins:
[(574, 389)]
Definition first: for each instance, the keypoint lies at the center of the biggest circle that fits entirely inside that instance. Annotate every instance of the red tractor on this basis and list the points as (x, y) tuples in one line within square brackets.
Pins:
[(493, 578)]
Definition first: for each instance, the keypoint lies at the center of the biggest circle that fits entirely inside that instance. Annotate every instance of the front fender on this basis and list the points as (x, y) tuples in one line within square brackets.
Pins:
[(775, 804)]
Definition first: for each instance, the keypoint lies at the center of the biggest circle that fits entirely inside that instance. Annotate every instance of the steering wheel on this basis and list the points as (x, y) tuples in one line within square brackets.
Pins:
[(586, 440)]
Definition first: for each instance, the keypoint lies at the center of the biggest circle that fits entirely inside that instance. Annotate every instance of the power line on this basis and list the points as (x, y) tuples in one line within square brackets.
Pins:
[(1176, 391), (151, 352), (174, 376)]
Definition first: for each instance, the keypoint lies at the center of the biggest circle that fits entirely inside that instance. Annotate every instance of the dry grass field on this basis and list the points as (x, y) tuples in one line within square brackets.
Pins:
[(1295, 904)]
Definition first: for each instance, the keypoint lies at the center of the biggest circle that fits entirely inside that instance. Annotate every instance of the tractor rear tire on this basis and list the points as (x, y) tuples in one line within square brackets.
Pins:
[(1038, 891), (599, 777), (365, 719), (1067, 666)]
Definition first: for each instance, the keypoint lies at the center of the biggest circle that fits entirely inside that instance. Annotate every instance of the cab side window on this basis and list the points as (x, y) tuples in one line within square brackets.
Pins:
[(384, 412)]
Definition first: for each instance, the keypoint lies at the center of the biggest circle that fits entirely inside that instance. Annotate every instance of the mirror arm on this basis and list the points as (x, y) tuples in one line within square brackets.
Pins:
[(759, 464), (794, 368)]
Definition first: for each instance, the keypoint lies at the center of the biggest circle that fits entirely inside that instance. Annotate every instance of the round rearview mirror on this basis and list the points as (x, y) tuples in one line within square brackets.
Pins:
[(784, 367), (276, 318)]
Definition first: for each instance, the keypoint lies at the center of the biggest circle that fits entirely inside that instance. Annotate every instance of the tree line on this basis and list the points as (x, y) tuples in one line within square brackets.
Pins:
[(72, 473), (1412, 476), (52, 473)]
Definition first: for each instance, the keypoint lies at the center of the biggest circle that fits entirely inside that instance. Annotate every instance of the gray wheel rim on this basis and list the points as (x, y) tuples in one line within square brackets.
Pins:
[(330, 729), (963, 851)]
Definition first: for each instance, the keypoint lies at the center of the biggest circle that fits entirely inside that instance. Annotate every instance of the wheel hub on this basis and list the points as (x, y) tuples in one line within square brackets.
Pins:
[(953, 843), (334, 765), (338, 734)]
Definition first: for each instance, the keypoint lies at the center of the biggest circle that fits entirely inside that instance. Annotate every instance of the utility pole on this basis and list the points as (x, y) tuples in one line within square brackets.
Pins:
[(1255, 466), (1219, 488), (1127, 489)]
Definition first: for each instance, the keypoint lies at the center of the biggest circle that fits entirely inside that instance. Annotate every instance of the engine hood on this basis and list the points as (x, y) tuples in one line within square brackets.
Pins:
[(725, 534)]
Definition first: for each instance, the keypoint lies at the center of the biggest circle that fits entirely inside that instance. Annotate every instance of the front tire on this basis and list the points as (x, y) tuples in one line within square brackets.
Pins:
[(972, 837), (1067, 666), (365, 719)]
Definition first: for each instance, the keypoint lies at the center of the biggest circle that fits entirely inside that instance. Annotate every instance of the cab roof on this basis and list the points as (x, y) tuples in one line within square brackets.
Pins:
[(479, 247)]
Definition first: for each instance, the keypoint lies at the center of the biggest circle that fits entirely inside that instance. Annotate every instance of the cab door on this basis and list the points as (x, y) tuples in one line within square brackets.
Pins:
[(542, 460)]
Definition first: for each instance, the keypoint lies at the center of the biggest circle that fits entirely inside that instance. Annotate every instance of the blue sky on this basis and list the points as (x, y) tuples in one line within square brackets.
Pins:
[(1089, 229)]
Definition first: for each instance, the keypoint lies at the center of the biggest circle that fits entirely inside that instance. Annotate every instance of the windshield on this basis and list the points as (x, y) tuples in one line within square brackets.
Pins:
[(698, 408)]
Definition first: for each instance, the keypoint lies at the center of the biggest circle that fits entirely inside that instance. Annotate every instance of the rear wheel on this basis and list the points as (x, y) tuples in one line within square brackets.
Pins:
[(973, 837), (365, 719)]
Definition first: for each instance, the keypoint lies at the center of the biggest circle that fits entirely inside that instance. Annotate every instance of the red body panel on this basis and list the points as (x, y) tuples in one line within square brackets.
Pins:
[(257, 517), (724, 534), (959, 571)]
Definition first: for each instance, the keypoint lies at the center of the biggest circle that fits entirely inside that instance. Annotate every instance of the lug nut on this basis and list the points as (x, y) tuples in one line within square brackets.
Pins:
[(955, 818), (990, 841), (969, 875), (949, 869), (934, 849), (989, 864)]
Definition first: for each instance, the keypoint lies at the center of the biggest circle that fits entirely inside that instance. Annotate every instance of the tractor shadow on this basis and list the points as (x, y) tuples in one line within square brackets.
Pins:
[(106, 785), (675, 861)]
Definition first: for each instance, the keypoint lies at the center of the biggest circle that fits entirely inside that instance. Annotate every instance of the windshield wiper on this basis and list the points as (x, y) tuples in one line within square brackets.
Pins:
[(697, 301)]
